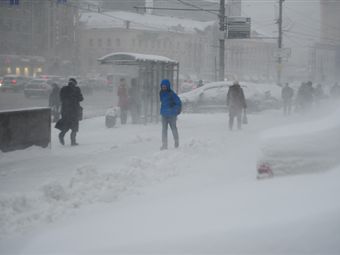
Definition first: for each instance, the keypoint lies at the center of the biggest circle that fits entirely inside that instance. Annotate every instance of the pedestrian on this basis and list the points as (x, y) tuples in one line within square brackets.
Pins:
[(171, 106), (287, 94), (236, 102), (70, 97), (305, 96), (135, 102), (318, 94), (335, 91), (123, 100), (200, 83), (54, 102)]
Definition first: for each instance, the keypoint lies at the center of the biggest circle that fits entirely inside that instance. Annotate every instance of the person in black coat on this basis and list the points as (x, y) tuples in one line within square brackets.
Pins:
[(236, 102), (70, 97), (287, 94)]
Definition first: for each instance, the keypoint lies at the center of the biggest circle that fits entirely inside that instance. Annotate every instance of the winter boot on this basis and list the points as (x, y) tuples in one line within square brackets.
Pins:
[(164, 147), (61, 138), (73, 139)]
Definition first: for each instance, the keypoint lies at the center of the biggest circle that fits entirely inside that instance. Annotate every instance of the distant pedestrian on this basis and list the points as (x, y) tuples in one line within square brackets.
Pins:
[(123, 102), (305, 96), (170, 107), (135, 103), (54, 102), (287, 94), (70, 97), (200, 83), (236, 102), (335, 91), (318, 94)]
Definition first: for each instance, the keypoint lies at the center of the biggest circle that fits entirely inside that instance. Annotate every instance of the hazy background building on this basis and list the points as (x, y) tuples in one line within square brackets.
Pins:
[(37, 36), (326, 54)]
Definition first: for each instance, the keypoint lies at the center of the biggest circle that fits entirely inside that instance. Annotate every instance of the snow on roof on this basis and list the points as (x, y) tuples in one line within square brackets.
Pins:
[(132, 57), (142, 21)]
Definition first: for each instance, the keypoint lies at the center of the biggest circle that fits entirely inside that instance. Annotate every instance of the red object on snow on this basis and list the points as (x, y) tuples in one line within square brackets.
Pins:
[(265, 168)]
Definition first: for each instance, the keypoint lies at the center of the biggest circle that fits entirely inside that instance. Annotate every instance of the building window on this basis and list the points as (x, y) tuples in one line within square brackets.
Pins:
[(91, 42), (118, 42), (108, 42)]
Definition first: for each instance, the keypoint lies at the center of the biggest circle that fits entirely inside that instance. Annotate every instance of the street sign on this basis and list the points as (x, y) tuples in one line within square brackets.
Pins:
[(238, 27)]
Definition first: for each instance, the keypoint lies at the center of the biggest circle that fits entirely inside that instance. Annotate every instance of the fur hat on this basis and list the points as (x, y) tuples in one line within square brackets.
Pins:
[(72, 80)]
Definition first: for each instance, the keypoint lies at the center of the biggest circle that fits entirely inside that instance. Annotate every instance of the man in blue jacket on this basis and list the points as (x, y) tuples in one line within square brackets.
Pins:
[(170, 107)]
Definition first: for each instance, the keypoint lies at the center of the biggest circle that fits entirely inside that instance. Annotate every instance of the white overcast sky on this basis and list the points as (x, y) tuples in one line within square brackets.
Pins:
[(301, 19)]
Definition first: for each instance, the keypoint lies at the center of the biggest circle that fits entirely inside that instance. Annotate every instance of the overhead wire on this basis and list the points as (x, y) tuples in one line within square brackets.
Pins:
[(103, 13)]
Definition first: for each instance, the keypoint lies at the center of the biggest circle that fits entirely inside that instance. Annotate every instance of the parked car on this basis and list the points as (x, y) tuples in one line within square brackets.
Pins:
[(97, 83), (38, 87), (209, 97), (13, 83), (187, 85), (85, 87), (212, 97)]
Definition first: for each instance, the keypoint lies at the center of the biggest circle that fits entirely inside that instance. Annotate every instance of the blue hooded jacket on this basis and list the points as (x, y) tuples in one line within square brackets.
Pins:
[(170, 103)]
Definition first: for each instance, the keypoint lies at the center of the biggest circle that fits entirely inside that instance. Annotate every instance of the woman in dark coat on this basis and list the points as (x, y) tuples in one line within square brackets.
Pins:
[(236, 102), (123, 102), (70, 97)]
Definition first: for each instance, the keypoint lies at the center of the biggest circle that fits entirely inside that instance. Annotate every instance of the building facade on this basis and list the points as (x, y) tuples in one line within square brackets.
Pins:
[(326, 55), (37, 36), (146, 34), (192, 43)]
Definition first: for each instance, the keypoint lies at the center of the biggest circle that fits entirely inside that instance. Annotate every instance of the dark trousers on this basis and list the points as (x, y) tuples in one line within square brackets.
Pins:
[(135, 113), (72, 136), (55, 113), (171, 121), (123, 115), (287, 106), (232, 115)]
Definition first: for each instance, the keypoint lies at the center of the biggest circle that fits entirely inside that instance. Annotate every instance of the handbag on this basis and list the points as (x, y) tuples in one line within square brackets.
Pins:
[(80, 113), (59, 124), (245, 118)]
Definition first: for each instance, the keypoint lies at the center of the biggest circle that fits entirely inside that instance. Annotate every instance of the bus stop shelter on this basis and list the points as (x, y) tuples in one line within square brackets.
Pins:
[(150, 70)]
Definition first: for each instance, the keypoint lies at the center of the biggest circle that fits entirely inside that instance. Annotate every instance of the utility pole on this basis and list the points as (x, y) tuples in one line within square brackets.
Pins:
[(222, 39), (279, 59)]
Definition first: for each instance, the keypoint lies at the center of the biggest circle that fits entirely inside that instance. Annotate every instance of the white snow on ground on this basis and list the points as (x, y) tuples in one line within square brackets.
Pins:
[(302, 148), (117, 193)]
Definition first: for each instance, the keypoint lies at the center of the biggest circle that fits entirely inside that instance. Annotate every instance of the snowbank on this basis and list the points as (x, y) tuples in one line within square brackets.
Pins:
[(302, 148)]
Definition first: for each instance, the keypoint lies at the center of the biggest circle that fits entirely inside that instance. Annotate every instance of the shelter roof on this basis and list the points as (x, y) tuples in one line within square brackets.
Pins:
[(129, 58)]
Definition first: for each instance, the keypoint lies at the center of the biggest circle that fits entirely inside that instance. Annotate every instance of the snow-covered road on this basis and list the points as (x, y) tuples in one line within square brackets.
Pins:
[(117, 193)]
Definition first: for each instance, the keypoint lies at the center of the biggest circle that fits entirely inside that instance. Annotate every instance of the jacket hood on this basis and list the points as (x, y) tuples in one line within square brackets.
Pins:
[(166, 82)]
